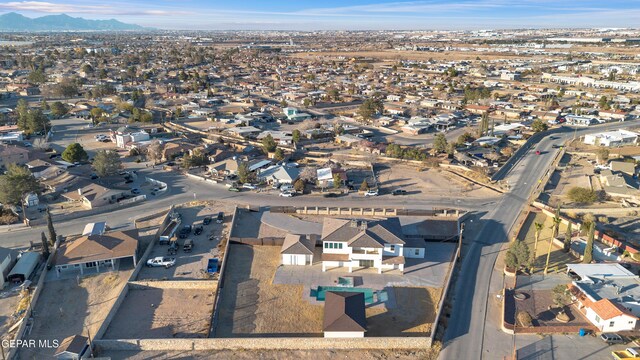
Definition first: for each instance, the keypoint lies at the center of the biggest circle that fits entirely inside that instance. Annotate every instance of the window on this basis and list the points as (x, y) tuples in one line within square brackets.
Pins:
[(326, 245), (631, 322), (612, 323), (417, 252), (339, 245), (597, 318), (392, 248)]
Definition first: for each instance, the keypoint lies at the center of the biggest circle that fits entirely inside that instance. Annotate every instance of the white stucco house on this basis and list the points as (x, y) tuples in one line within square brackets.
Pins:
[(356, 244), (606, 294), (298, 249)]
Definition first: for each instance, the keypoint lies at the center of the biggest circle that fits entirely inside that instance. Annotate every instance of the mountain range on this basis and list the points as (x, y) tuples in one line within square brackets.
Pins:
[(18, 23)]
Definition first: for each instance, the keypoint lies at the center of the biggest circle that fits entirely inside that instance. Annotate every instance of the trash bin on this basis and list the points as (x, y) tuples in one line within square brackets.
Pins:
[(583, 332)]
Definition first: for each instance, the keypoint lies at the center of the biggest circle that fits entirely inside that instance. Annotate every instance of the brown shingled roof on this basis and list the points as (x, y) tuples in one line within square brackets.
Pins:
[(344, 311), (113, 245)]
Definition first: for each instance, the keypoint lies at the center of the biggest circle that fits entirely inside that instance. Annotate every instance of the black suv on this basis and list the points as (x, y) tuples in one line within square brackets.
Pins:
[(173, 248), (197, 230), (206, 220)]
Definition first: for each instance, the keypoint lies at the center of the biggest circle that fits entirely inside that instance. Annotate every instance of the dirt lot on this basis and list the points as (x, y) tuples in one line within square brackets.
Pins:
[(400, 320), (9, 299), (250, 304), (559, 258), (162, 313), (429, 182), (191, 266), (537, 304), (67, 308)]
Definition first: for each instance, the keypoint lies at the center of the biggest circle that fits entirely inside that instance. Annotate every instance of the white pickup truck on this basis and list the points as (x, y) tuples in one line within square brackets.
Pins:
[(161, 261)]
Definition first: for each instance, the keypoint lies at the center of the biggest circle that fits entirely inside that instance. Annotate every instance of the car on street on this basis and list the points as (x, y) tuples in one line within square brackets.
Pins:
[(612, 338), (371, 193), (198, 230), (135, 191), (220, 218), (206, 220), (234, 189), (249, 186), (556, 146), (286, 187), (187, 246), (537, 152), (159, 261), (173, 248), (286, 194), (399, 192)]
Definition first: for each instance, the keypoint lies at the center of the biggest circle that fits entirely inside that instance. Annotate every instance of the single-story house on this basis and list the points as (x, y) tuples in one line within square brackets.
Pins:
[(614, 138), (96, 251), (298, 249), (279, 174), (344, 315), (93, 195), (72, 348), (7, 260)]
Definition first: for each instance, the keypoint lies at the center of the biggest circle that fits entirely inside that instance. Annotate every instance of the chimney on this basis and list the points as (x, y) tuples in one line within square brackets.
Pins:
[(354, 223), (80, 191), (363, 225)]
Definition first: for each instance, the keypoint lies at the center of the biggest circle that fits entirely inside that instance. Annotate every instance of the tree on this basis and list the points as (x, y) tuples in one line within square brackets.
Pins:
[(603, 103), (364, 186), (561, 295), (195, 159), (517, 255), (66, 88), (337, 181), (567, 236), (524, 318), (582, 195), (74, 153), (279, 154), (369, 108), (440, 143), (37, 77), (309, 173), (539, 227), (22, 109), (45, 245), (154, 151), (15, 183), (58, 109), (538, 125), (51, 229), (295, 136), (298, 186), (106, 163), (244, 175), (556, 228), (588, 249), (602, 155), (269, 144)]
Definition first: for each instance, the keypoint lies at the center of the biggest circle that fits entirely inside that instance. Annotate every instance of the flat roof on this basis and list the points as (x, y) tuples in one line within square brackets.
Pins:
[(601, 271)]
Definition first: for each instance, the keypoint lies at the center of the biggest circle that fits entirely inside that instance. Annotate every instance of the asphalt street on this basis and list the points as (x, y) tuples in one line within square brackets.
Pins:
[(468, 335)]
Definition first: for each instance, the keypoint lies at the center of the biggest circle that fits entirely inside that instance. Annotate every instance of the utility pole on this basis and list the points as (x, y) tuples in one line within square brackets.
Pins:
[(460, 241)]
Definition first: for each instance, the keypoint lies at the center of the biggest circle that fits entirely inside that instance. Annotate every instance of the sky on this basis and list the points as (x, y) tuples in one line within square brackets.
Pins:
[(345, 14)]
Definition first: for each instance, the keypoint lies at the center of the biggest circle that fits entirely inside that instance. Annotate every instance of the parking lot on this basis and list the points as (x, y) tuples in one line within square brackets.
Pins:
[(191, 265)]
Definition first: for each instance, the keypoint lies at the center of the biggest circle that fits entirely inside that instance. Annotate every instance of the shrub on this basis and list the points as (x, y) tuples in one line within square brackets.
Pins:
[(582, 195), (525, 319)]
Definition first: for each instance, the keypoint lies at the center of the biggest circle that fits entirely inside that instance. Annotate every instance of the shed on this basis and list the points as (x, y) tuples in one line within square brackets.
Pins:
[(298, 249), (24, 267), (72, 348)]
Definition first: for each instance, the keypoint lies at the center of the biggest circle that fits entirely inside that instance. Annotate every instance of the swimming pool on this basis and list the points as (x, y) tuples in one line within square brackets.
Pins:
[(320, 292)]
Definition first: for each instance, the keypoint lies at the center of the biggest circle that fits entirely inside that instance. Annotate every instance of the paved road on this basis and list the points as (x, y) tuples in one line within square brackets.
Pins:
[(183, 189), (467, 335)]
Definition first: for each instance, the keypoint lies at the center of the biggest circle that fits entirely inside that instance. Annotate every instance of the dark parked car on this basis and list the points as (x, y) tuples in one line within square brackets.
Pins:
[(173, 248), (220, 217), (198, 230), (188, 245), (186, 230), (399, 192), (206, 220), (331, 195)]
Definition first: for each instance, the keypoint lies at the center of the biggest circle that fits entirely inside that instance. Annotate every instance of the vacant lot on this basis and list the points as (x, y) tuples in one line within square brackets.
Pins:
[(558, 258), (68, 307), (250, 304), (163, 313), (413, 315)]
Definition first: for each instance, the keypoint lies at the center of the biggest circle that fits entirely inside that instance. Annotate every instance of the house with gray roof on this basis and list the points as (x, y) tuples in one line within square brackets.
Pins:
[(357, 244), (298, 249), (344, 315)]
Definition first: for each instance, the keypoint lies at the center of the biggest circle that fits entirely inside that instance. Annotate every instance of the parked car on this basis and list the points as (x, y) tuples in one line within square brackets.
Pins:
[(249, 186), (611, 338), (220, 218), (135, 191), (371, 193), (187, 246), (286, 187), (234, 189), (167, 262), (173, 247), (331, 195), (198, 230), (399, 192), (286, 194), (206, 220), (186, 230)]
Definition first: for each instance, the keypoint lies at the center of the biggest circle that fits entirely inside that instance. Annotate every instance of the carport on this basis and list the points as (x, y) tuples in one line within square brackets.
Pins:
[(24, 267)]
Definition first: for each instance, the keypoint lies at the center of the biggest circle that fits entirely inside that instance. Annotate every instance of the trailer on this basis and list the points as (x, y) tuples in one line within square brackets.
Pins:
[(212, 266)]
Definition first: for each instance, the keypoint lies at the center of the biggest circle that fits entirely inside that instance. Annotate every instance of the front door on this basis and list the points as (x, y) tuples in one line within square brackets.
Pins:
[(366, 263)]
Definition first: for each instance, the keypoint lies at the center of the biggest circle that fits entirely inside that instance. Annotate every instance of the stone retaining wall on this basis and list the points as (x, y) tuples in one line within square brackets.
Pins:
[(387, 343), (177, 284)]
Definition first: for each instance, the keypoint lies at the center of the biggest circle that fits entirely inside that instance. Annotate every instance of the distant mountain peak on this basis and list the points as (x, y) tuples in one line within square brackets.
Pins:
[(13, 21)]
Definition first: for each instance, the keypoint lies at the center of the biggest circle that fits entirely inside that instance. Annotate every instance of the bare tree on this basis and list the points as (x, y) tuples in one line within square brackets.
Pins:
[(309, 174), (154, 151)]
